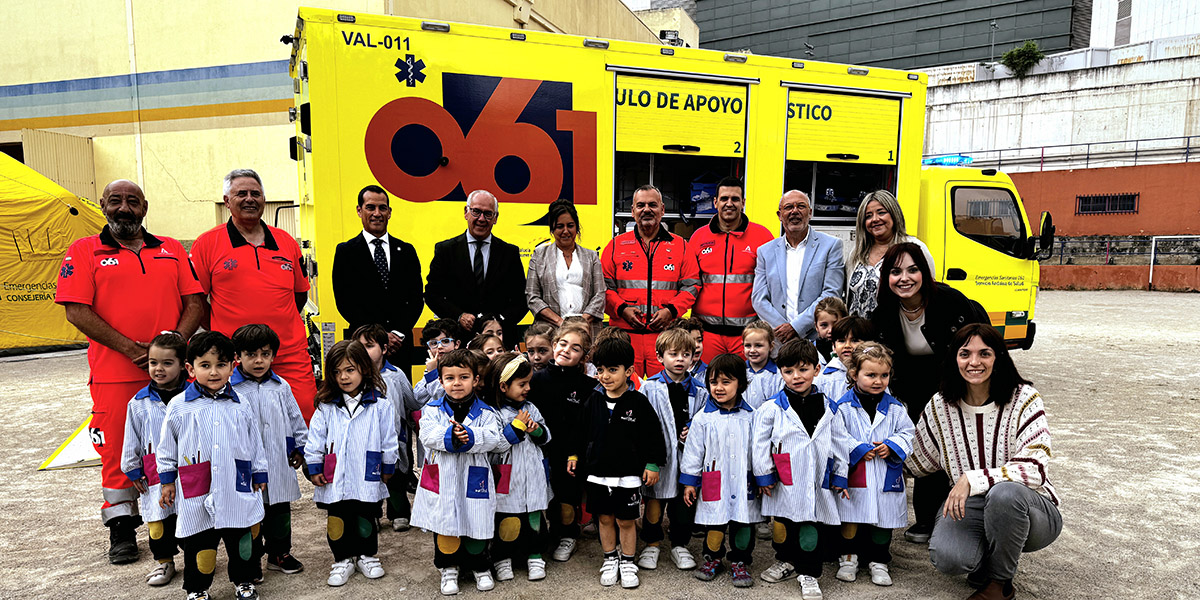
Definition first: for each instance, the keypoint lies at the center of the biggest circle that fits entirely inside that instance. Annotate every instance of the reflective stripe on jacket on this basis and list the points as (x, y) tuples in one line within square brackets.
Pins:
[(649, 278)]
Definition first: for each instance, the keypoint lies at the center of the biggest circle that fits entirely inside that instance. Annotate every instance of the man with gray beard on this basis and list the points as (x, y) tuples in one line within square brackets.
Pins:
[(121, 288)]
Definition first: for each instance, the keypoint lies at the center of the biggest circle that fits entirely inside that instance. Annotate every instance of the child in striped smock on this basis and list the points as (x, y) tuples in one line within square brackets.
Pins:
[(210, 449), (762, 375), (404, 402), (350, 455), (881, 437), (143, 421), (522, 473), (845, 336), (283, 433)]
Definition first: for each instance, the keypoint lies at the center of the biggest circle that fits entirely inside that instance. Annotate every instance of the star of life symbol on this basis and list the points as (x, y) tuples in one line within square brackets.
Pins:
[(410, 72), (627, 265)]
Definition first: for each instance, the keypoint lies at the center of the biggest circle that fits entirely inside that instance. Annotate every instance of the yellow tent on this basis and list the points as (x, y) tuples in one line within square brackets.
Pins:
[(38, 221)]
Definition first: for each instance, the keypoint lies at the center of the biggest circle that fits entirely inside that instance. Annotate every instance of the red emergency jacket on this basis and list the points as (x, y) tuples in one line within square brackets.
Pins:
[(662, 275), (726, 262)]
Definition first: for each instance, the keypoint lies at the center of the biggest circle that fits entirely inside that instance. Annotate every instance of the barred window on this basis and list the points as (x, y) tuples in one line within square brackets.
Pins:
[(1106, 204)]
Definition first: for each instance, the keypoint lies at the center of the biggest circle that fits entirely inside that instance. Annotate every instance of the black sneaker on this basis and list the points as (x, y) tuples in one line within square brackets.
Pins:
[(198, 596), (285, 563), (122, 541), (245, 591), (919, 533)]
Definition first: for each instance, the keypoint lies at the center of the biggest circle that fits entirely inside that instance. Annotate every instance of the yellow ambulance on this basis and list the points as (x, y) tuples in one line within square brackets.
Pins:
[(433, 110)]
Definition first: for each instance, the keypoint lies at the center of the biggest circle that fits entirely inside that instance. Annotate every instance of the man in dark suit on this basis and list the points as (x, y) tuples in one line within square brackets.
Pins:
[(377, 278), (477, 272)]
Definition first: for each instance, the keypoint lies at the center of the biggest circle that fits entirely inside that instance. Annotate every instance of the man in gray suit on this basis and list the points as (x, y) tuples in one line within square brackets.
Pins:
[(795, 271)]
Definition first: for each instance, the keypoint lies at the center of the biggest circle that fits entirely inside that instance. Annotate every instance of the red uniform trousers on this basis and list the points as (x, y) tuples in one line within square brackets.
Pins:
[(295, 367), (716, 344), (645, 357), (107, 430)]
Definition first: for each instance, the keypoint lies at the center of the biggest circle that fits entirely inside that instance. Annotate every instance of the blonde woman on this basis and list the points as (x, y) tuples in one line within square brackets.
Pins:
[(880, 225)]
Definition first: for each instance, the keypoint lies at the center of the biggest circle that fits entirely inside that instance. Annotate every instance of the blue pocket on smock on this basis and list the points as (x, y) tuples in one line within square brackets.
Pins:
[(290, 444), (242, 467), (893, 480), (546, 467), (374, 465), (477, 482), (827, 479)]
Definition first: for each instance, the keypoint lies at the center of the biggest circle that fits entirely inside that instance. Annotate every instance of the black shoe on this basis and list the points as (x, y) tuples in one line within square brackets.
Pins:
[(978, 580), (919, 533), (122, 540), (285, 563)]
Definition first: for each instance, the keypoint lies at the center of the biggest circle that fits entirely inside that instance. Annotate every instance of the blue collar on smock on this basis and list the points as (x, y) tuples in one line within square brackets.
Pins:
[(711, 406), (770, 366), (387, 366), (194, 391), (238, 376), (688, 383), (477, 406), (885, 400)]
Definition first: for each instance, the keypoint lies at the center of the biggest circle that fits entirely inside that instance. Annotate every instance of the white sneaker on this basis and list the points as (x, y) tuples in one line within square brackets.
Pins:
[(810, 589), (683, 559), (504, 570), (449, 581), (648, 558), (763, 530), (484, 581), (340, 572), (162, 574), (400, 524), (537, 569), (369, 566), (609, 572), (629, 578), (879, 574), (847, 567), (566, 547), (778, 572)]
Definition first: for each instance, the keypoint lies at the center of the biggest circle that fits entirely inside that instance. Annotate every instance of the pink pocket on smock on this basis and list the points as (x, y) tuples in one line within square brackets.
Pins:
[(503, 478), (858, 475), (783, 467), (150, 468), (196, 479), (329, 467), (429, 478), (710, 486)]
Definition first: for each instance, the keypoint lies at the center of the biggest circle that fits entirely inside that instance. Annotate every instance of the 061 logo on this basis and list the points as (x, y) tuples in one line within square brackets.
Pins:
[(518, 138), (109, 262)]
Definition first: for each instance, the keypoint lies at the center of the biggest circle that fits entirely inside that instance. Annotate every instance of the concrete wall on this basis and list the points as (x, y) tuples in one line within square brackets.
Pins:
[(175, 94), (1167, 278), (672, 18), (1150, 20), (1169, 202)]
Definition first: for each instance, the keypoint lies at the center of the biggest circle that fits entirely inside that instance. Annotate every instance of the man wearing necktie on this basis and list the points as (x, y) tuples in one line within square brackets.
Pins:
[(478, 272), (377, 278)]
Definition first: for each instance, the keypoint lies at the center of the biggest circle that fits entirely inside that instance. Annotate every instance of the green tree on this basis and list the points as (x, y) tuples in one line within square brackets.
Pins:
[(1021, 59)]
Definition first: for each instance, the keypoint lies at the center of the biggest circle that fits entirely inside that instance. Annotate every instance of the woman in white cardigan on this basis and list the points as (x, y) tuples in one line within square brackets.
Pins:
[(565, 279), (987, 430)]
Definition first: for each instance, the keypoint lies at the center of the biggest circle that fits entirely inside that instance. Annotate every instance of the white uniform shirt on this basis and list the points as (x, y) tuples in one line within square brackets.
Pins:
[(717, 455), (282, 428), (363, 441), (387, 255), (795, 263), (455, 495), (570, 285), (143, 422), (876, 486), (832, 380), (815, 463), (655, 390), (764, 384), (218, 436), (528, 469), (428, 389)]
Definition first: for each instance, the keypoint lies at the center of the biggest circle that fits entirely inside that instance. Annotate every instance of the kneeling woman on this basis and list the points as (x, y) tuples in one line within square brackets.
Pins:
[(987, 429)]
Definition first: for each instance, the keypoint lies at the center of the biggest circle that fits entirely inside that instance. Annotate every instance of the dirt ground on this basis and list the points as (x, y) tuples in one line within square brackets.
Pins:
[(1118, 370)]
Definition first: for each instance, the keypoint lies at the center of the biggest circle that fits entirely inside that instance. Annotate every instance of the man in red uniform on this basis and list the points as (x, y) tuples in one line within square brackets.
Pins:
[(725, 251), (651, 279), (121, 288), (252, 274)]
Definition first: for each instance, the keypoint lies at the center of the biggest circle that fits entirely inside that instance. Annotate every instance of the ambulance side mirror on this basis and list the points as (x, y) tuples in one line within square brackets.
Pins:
[(1045, 238)]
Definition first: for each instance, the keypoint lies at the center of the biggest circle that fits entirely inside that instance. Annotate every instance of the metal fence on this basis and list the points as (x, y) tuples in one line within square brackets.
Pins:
[(1139, 250), (1119, 153)]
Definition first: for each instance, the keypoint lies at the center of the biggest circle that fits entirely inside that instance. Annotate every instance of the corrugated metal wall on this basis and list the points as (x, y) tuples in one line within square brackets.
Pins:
[(65, 159)]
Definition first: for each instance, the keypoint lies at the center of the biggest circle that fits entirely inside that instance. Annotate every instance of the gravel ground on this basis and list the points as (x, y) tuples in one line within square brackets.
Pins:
[(1115, 380)]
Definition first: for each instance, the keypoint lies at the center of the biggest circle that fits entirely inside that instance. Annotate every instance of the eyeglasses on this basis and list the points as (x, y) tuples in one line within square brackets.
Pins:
[(256, 194), (486, 215), (441, 342)]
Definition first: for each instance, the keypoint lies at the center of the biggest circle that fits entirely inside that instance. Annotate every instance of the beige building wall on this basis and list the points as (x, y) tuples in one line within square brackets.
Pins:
[(672, 18), (187, 122)]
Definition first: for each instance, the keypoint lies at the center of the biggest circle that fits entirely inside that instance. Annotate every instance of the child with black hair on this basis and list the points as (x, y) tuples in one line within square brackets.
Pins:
[(620, 443), (846, 335), (695, 328), (488, 343), (283, 434), (522, 472), (675, 396), (800, 464), (400, 394), (143, 421), (717, 462), (455, 499), (826, 313), (351, 454), (490, 324), (560, 392), (440, 337), (539, 339), (210, 447)]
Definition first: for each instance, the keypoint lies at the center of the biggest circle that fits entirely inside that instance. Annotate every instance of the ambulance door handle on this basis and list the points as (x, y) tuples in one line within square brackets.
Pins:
[(681, 147), (842, 156), (956, 275)]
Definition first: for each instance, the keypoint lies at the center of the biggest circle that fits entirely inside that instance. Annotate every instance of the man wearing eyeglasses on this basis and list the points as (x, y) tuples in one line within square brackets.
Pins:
[(251, 273), (477, 272), (377, 277)]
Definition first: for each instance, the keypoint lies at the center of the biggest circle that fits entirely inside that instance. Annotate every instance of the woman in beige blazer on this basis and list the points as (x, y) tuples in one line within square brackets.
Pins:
[(565, 278)]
